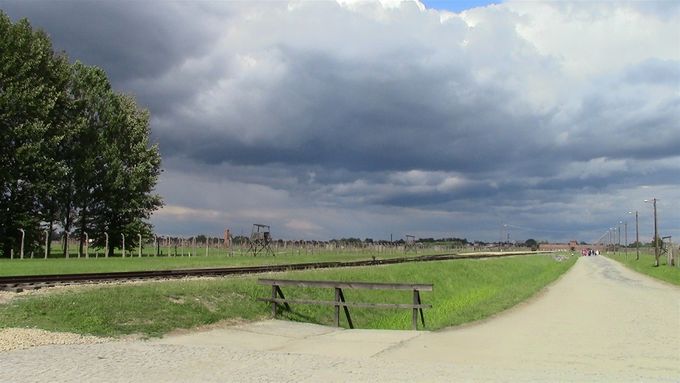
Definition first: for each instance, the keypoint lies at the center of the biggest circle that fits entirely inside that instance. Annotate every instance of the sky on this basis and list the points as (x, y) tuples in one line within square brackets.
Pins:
[(325, 119)]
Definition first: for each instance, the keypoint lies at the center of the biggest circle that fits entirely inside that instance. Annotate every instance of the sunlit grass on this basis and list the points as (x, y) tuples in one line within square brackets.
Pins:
[(646, 265), (464, 291)]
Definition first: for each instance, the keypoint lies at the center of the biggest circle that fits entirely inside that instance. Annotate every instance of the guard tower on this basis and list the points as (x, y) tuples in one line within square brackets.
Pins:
[(260, 240), (410, 244)]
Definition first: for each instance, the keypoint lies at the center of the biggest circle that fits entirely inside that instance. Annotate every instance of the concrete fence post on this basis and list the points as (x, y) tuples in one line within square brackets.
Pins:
[(23, 234)]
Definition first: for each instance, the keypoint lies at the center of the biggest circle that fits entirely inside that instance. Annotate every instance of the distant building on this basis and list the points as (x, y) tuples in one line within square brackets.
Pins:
[(571, 246)]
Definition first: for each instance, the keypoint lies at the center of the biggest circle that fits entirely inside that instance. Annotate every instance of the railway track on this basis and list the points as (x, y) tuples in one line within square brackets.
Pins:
[(21, 283)]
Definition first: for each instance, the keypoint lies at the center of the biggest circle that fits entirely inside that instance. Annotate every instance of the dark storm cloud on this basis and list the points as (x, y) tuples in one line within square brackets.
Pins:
[(424, 120), (329, 119), (129, 39)]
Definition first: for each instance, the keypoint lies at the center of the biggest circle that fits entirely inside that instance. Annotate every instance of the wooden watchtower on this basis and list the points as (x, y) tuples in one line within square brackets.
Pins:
[(260, 240)]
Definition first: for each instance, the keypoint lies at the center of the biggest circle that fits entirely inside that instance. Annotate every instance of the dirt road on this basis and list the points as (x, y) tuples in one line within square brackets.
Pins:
[(599, 322)]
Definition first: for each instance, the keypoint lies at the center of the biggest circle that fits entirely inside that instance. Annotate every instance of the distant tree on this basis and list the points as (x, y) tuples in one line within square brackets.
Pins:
[(531, 243)]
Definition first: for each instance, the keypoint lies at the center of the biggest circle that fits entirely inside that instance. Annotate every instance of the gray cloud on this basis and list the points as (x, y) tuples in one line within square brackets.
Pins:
[(129, 39), (330, 120)]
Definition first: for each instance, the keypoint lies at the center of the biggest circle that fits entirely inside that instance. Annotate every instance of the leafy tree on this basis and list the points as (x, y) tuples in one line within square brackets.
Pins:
[(32, 102), (74, 152), (531, 243), (129, 172), (91, 113)]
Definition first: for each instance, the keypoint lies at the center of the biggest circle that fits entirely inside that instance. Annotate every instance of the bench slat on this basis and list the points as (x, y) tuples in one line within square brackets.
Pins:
[(347, 285), (348, 304)]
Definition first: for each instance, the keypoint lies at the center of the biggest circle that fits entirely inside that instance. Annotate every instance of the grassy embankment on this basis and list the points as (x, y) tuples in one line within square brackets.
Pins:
[(96, 265), (646, 265), (464, 291)]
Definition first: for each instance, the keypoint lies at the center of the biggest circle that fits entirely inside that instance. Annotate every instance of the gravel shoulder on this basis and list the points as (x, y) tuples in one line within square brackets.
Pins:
[(599, 322), (22, 338)]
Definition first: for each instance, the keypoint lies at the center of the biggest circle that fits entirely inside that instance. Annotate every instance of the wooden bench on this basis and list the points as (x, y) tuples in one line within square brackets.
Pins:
[(278, 298)]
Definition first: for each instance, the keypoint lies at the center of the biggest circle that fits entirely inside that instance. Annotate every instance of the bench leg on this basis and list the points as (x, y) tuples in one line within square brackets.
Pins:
[(415, 310), (280, 292), (349, 318), (274, 287), (422, 317), (337, 307)]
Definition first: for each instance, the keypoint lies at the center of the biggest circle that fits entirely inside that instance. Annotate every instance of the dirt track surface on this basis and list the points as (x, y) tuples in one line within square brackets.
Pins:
[(600, 322)]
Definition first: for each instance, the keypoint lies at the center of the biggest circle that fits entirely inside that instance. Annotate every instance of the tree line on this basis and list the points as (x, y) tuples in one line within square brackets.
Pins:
[(75, 155)]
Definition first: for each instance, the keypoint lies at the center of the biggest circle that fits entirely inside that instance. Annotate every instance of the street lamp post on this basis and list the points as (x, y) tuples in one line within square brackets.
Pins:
[(656, 234), (637, 237), (618, 240), (625, 243)]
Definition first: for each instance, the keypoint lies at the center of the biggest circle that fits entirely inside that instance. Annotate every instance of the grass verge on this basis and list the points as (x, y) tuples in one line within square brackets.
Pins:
[(464, 291), (646, 266)]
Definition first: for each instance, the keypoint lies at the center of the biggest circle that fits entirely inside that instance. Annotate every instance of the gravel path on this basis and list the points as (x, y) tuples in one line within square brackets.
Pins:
[(20, 338), (600, 322)]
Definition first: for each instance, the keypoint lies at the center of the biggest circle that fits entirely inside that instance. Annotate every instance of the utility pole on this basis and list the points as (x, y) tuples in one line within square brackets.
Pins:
[(656, 234), (637, 237), (656, 237), (625, 248)]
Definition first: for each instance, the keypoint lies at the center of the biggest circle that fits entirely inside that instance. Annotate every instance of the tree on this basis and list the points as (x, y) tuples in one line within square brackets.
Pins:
[(531, 243), (92, 113), (129, 171), (32, 101), (74, 152)]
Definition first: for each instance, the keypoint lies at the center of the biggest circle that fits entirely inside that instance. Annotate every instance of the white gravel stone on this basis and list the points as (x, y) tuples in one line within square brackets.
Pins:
[(21, 338)]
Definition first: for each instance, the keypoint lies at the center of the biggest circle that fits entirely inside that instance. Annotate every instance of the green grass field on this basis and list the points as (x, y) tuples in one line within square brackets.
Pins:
[(93, 265), (464, 291), (646, 265)]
